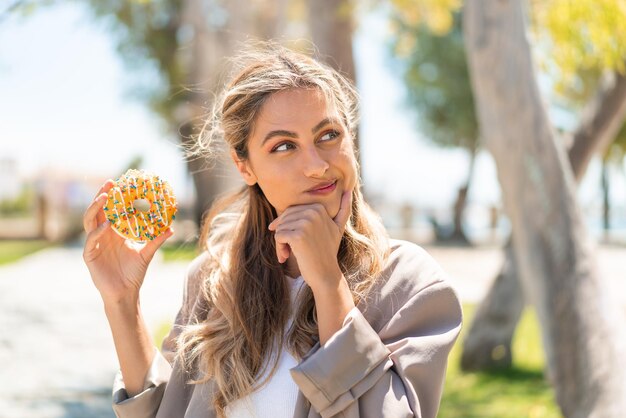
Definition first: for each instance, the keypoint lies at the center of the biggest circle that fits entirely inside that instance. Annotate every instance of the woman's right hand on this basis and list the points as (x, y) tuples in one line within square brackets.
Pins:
[(117, 265)]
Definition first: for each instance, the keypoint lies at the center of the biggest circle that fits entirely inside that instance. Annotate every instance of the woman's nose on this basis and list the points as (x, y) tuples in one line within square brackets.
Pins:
[(315, 165)]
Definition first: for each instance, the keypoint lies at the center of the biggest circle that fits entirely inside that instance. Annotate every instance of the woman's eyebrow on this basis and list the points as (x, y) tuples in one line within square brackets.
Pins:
[(290, 134)]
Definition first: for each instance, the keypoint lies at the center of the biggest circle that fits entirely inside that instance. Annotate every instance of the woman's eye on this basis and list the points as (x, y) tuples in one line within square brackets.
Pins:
[(283, 147), (328, 136), (286, 146)]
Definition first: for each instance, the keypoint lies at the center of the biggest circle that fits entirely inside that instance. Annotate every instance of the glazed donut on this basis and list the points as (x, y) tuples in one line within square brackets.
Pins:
[(140, 206)]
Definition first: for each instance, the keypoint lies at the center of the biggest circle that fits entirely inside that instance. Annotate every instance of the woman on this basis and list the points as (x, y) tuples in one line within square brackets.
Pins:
[(299, 305)]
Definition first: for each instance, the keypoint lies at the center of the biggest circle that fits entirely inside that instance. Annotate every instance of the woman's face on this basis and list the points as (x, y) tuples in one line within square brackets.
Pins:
[(300, 152)]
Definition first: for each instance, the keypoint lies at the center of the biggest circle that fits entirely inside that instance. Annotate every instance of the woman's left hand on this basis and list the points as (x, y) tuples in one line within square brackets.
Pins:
[(313, 237)]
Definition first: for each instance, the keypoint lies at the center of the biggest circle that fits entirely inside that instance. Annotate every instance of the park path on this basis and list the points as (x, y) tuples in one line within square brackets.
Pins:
[(56, 354)]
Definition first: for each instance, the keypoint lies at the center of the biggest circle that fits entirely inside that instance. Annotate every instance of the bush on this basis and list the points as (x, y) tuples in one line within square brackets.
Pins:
[(22, 204)]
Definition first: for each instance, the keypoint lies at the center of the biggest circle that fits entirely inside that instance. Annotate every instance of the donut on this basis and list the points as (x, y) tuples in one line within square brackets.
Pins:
[(140, 206)]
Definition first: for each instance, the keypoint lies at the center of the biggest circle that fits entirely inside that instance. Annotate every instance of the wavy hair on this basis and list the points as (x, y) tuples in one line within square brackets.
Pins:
[(244, 305)]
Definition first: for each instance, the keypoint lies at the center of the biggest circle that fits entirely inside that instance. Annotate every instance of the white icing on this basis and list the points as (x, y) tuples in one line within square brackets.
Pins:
[(161, 209)]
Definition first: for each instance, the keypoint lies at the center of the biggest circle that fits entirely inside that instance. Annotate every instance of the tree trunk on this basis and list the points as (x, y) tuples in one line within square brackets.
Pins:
[(204, 63), (601, 122), (580, 322), (272, 18), (488, 342), (606, 207), (209, 179), (331, 25), (458, 234)]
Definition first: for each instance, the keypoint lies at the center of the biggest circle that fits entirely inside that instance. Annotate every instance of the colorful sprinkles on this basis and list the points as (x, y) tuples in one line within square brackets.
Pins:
[(132, 223)]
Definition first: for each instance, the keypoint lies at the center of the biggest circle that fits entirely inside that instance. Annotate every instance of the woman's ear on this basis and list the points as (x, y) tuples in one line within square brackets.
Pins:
[(244, 169)]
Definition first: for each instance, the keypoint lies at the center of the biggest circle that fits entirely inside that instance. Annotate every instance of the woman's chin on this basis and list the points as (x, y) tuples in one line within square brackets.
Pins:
[(330, 203)]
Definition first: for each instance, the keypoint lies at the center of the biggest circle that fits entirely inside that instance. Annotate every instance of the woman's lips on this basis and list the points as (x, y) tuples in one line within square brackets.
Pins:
[(324, 190)]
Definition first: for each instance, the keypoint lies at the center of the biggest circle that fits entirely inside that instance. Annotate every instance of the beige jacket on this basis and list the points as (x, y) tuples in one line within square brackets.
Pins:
[(389, 360)]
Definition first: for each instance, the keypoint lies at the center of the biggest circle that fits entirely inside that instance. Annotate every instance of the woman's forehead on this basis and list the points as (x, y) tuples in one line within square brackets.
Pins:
[(296, 108)]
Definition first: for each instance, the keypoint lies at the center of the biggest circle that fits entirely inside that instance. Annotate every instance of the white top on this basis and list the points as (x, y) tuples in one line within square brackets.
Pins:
[(277, 398)]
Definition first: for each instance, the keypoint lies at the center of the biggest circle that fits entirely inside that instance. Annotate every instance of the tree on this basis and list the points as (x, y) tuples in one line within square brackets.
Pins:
[(552, 249), (488, 342), (497, 316), (438, 88)]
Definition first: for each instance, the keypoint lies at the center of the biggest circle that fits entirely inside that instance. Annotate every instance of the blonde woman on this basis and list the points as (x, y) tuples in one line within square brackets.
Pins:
[(299, 305)]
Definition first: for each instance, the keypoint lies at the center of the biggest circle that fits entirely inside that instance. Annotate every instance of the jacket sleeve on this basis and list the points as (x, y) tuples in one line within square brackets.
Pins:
[(146, 403), (398, 371)]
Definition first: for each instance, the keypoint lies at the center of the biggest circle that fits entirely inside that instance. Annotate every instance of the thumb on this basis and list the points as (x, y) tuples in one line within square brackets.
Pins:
[(345, 210), (151, 247)]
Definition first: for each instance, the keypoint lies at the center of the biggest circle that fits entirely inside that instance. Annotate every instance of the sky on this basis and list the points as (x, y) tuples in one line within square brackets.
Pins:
[(66, 101)]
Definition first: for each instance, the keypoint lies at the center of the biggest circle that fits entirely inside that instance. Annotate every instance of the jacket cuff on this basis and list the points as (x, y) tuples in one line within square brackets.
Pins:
[(146, 403), (350, 363)]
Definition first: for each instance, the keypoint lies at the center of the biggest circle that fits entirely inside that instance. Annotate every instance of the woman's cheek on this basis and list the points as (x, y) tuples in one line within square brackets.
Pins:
[(351, 176), (351, 183), (273, 197), (350, 165)]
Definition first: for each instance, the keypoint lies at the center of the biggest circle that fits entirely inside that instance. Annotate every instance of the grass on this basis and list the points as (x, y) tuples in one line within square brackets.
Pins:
[(521, 392), (184, 251), (13, 250)]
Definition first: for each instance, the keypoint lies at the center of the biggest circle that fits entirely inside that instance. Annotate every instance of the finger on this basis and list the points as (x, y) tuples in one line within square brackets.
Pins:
[(293, 213), (148, 251), (105, 187), (90, 218), (283, 250), (345, 210), (91, 242), (298, 224)]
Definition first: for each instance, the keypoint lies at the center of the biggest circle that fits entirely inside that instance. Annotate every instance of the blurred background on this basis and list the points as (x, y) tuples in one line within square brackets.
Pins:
[(91, 88)]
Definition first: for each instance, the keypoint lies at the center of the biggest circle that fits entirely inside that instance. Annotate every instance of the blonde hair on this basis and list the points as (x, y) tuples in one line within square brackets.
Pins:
[(244, 301)]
